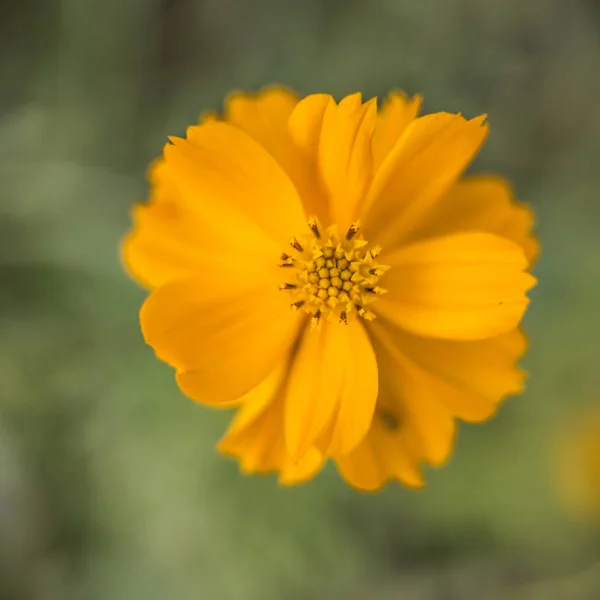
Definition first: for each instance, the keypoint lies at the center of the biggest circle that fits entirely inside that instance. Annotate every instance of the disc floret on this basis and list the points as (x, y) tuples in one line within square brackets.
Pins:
[(333, 276)]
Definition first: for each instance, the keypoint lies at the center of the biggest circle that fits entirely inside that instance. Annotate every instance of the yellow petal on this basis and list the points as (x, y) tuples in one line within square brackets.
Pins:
[(345, 157), (421, 168), (235, 183), (162, 245), (469, 286), (468, 379), (408, 429), (260, 398), (481, 203), (265, 116), (170, 241), (221, 345), (425, 425), (306, 128), (332, 388), (306, 121), (255, 436), (383, 455), (358, 394), (396, 114), (380, 458)]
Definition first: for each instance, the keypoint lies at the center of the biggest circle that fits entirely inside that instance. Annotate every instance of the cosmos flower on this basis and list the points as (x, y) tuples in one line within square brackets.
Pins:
[(325, 269)]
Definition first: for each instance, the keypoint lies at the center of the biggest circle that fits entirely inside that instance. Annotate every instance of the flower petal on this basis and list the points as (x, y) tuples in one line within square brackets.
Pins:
[(359, 392), (468, 379), (481, 203), (423, 165), (255, 436), (408, 429), (345, 157), (387, 452), (469, 286), (222, 345), (265, 116), (161, 246), (170, 240), (332, 390), (381, 457), (396, 114), (235, 183), (306, 121)]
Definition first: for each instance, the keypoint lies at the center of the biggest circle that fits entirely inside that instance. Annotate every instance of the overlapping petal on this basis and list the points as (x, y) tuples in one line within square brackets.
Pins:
[(332, 390), (266, 116), (217, 197), (467, 286), (344, 155), (396, 114), (163, 243), (423, 165), (382, 456), (221, 344), (255, 436), (235, 183), (481, 203), (407, 431), (468, 379)]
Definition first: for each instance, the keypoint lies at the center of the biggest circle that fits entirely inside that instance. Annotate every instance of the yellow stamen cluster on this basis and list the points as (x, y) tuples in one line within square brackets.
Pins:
[(333, 276)]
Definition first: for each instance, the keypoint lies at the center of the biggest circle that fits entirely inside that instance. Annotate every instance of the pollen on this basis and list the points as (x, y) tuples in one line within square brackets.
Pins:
[(333, 276)]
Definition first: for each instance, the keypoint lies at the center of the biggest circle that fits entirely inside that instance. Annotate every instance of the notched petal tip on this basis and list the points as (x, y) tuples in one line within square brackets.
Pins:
[(271, 89), (380, 486), (353, 100)]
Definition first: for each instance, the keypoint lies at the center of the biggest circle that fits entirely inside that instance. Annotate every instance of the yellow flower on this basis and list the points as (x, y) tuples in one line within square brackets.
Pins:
[(324, 268)]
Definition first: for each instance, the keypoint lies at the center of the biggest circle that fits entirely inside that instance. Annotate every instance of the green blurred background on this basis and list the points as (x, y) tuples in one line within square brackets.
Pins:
[(109, 484)]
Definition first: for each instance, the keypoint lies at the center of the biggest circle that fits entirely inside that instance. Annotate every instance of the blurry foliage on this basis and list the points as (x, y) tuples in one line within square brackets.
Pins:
[(109, 484)]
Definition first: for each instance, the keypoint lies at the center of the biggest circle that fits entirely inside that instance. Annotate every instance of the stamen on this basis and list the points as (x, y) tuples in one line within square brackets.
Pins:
[(286, 260), (314, 322), (333, 276), (296, 245), (364, 313), (314, 227), (353, 230), (375, 290)]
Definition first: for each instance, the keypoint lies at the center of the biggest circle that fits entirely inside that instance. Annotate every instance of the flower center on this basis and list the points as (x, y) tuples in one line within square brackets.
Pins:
[(333, 276)]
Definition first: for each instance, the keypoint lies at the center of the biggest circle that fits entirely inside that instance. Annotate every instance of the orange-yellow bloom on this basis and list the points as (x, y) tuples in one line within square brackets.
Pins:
[(324, 268)]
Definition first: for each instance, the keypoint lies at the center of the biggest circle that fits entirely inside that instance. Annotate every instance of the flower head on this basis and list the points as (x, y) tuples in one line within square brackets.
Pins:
[(323, 268)]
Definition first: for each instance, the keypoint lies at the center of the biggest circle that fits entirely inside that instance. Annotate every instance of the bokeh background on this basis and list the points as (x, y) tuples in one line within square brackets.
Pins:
[(109, 484)]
